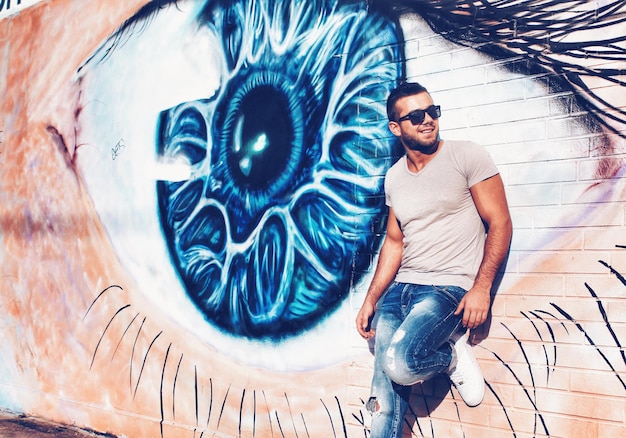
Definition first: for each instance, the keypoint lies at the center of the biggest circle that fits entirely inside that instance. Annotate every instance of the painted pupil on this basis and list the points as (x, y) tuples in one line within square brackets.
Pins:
[(262, 138)]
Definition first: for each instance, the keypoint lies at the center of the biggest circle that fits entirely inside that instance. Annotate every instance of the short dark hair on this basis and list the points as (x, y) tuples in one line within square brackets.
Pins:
[(402, 90)]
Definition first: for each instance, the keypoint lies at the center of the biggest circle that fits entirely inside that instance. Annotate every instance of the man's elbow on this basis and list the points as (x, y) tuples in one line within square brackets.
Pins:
[(505, 231), (502, 227)]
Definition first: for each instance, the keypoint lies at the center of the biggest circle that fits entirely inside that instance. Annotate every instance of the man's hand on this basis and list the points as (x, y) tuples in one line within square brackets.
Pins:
[(475, 307), (388, 263), (364, 320)]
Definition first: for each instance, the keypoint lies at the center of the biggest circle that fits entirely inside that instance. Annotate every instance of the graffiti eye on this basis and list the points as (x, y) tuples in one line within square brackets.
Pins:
[(278, 111), (290, 191)]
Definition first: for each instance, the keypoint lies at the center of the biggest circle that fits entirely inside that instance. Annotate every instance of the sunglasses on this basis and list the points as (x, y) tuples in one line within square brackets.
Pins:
[(416, 117)]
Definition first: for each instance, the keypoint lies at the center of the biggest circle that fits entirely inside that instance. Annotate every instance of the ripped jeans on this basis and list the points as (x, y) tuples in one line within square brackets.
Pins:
[(413, 324)]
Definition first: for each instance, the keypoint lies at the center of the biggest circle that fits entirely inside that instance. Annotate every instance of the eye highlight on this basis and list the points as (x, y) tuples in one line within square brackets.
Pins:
[(262, 138), (284, 206)]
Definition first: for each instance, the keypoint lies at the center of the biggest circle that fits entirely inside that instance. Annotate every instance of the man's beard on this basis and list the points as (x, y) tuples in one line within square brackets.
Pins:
[(419, 146)]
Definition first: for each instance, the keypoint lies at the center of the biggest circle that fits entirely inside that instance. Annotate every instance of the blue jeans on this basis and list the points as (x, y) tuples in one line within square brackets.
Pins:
[(413, 323)]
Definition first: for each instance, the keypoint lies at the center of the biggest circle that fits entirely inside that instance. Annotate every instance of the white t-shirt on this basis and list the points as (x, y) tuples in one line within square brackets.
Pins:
[(444, 236)]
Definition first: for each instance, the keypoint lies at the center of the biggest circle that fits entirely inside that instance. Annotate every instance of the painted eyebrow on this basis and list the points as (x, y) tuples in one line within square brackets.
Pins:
[(132, 26), (517, 27)]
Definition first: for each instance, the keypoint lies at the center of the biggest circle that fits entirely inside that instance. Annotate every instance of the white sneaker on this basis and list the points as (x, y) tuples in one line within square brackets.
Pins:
[(464, 372)]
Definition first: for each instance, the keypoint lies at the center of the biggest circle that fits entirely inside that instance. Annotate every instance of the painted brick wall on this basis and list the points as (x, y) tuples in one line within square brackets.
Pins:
[(85, 341), (554, 373)]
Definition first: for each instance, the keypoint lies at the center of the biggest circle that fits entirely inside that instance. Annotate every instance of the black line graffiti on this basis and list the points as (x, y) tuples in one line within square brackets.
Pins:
[(104, 332), (557, 36), (161, 404), (551, 319), (117, 150), (132, 356)]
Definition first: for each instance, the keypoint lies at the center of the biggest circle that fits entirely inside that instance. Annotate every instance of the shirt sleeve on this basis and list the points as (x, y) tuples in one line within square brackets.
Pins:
[(479, 164)]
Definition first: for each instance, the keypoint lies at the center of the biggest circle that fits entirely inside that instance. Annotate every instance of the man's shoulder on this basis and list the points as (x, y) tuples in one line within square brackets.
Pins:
[(394, 173), (464, 149), (462, 144), (398, 165)]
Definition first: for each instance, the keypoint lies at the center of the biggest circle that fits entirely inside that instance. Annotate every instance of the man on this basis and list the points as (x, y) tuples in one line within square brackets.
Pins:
[(436, 266)]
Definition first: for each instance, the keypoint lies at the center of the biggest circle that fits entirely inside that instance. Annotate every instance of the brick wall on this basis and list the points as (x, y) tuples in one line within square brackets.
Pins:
[(83, 341), (550, 354)]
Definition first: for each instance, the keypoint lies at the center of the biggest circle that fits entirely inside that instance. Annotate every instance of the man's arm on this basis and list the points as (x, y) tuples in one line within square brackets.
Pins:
[(388, 263), (490, 200)]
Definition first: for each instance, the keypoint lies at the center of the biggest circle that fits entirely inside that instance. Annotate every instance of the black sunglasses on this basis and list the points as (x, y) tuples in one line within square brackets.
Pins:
[(416, 117)]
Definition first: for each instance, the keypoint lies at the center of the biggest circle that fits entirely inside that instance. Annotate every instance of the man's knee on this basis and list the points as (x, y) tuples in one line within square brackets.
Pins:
[(397, 369)]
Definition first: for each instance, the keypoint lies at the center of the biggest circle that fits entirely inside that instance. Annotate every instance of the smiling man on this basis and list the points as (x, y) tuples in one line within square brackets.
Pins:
[(437, 264)]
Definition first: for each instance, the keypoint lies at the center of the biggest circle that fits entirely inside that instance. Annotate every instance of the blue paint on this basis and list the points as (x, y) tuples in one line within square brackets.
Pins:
[(284, 209)]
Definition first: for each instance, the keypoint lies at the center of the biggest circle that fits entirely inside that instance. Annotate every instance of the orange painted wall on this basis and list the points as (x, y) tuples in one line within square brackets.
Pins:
[(88, 338)]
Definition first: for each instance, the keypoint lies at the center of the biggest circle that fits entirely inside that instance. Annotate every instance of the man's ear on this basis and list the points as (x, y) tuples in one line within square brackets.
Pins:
[(394, 127)]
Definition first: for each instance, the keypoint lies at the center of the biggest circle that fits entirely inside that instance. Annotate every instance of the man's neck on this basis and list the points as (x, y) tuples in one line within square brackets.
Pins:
[(417, 160)]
